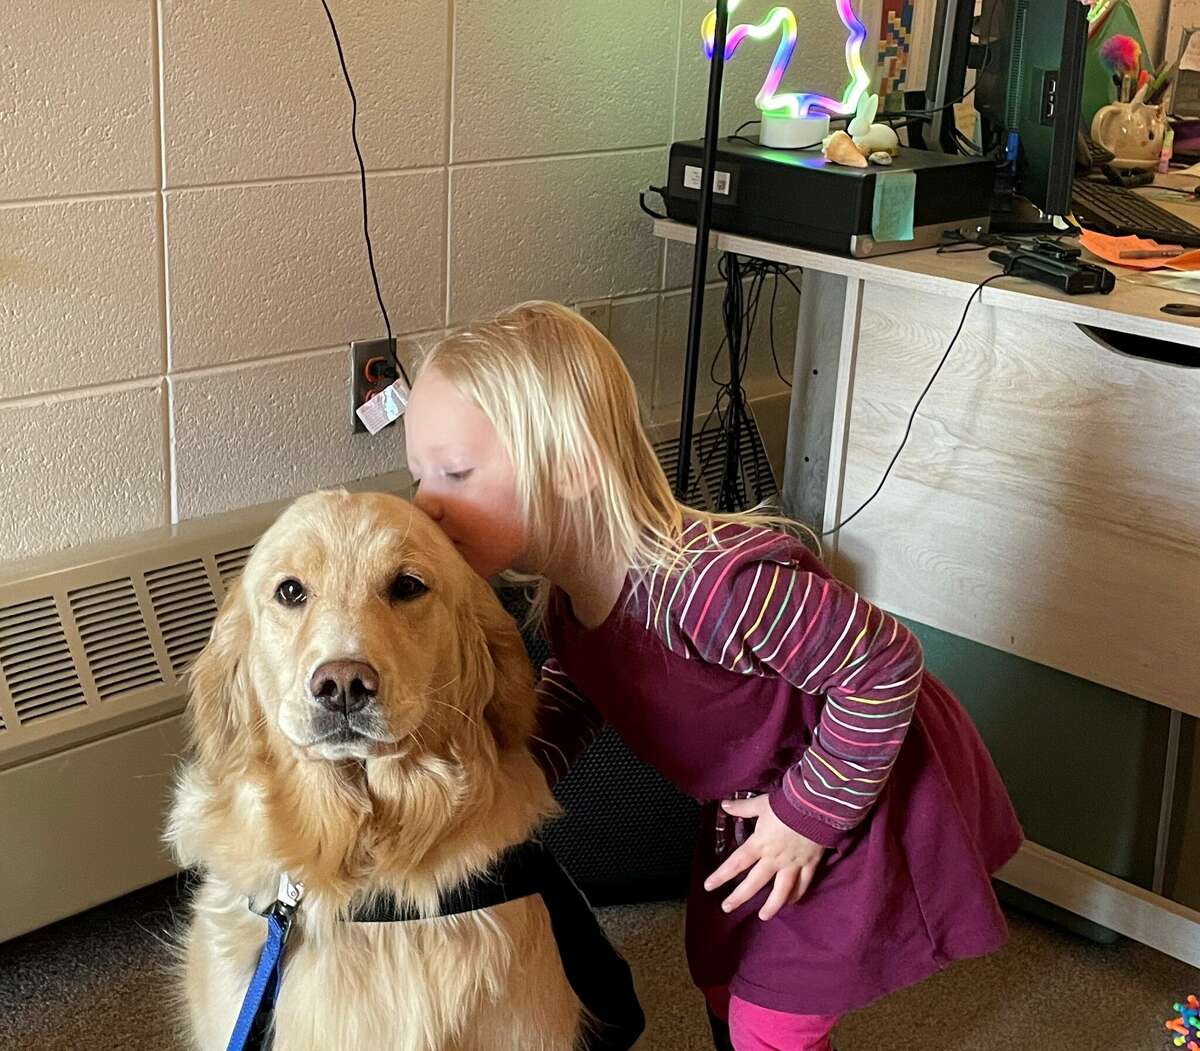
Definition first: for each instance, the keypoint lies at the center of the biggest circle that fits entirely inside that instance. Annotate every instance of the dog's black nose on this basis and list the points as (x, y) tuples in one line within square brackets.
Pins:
[(344, 686)]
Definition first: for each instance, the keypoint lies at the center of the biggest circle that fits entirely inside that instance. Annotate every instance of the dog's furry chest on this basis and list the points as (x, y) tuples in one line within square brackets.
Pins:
[(484, 981)]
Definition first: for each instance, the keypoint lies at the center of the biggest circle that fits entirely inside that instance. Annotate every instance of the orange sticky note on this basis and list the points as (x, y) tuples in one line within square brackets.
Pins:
[(1110, 248), (1187, 262)]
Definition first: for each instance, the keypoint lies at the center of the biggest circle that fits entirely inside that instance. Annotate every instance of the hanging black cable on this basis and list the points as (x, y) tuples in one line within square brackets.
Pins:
[(362, 172), (977, 291)]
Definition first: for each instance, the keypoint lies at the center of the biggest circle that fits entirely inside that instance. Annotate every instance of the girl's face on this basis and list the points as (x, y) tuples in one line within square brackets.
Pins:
[(467, 482)]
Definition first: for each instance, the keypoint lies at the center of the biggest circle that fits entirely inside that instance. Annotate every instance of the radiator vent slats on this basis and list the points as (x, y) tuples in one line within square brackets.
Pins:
[(115, 639), (185, 607), (42, 675), (755, 480), (230, 565), (36, 660), (37, 628), (97, 639)]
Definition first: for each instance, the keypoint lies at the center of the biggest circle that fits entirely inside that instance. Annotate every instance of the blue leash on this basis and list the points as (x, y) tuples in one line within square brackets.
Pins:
[(250, 1032)]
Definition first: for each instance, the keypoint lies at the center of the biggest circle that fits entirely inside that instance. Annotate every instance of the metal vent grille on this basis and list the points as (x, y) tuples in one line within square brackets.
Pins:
[(185, 608), (115, 640), (230, 565), (755, 481), (36, 660), (102, 636)]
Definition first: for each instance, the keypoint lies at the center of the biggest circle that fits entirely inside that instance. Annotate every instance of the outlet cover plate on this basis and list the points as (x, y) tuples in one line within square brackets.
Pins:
[(363, 353)]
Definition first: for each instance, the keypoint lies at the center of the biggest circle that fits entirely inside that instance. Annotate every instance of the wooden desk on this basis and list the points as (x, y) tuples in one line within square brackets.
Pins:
[(1047, 503)]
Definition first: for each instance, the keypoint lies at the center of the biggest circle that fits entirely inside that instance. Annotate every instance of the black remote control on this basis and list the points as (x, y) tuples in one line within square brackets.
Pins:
[(1073, 277), (1056, 249)]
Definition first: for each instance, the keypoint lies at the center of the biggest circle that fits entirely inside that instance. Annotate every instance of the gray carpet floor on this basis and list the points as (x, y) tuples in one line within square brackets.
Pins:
[(97, 983)]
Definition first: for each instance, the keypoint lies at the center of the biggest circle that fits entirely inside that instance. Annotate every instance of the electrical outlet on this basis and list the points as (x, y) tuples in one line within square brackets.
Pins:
[(372, 368), (599, 313)]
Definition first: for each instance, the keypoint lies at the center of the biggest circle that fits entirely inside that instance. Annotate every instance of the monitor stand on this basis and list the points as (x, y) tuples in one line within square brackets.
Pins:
[(1022, 218)]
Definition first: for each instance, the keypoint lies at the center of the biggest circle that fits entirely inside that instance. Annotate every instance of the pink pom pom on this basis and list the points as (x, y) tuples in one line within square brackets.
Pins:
[(1121, 55)]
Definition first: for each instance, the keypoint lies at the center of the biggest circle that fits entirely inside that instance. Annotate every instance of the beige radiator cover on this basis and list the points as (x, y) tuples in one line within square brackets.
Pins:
[(81, 827)]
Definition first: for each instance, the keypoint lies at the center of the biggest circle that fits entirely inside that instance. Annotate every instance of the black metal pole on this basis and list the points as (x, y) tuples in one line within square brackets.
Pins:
[(730, 482), (712, 125)]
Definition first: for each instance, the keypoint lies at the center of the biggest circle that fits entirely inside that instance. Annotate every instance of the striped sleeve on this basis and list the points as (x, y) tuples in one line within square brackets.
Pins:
[(822, 637), (567, 723)]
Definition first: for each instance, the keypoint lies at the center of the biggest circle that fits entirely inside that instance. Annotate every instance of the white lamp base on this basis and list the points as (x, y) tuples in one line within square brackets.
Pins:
[(793, 133)]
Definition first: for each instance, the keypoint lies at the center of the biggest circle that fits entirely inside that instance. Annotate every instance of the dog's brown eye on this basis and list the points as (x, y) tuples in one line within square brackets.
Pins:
[(406, 587), (290, 593)]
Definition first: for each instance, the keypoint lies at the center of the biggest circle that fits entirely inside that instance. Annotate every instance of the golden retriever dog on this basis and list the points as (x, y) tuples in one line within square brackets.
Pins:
[(360, 720)]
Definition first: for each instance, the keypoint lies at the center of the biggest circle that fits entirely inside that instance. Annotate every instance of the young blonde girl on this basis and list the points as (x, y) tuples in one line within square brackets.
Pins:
[(727, 656)]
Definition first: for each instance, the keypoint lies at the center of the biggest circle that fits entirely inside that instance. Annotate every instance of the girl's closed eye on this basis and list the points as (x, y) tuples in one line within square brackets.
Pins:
[(459, 476)]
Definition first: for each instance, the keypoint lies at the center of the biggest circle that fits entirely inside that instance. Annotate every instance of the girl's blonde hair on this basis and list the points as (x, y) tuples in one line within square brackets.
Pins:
[(565, 406)]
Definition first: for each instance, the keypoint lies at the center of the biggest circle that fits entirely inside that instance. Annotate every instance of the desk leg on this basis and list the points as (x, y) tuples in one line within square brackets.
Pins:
[(1166, 810), (822, 390)]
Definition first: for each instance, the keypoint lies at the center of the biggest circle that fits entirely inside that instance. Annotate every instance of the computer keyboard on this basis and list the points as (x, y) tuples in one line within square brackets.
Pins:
[(1091, 154), (1120, 212)]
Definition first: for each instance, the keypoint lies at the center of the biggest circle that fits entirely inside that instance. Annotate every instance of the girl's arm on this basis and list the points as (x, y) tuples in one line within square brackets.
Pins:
[(824, 639), (567, 723)]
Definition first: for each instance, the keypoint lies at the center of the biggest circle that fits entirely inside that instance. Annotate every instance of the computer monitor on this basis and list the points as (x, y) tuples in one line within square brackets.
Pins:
[(1030, 83), (1028, 61)]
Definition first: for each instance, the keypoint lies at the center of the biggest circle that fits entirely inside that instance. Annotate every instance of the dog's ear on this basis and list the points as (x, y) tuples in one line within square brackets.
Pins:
[(497, 668), (220, 708)]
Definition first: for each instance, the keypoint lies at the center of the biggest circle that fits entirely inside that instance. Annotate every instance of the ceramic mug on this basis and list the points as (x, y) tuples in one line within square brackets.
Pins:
[(1132, 131)]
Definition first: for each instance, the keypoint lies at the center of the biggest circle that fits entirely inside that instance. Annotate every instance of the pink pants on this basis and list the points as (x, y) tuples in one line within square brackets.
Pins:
[(754, 1028)]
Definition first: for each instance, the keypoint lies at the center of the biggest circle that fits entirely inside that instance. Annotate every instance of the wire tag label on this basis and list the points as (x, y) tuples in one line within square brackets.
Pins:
[(384, 408), (691, 179)]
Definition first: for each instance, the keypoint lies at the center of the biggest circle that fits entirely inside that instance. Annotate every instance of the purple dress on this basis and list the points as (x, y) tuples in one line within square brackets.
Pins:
[(749, 668)]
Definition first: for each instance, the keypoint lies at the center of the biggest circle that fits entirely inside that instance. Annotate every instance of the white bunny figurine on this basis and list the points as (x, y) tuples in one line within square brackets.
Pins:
[(868, 137)]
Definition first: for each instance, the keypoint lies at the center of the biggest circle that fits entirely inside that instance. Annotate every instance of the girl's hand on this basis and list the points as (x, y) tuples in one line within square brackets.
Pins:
[(773, 851)]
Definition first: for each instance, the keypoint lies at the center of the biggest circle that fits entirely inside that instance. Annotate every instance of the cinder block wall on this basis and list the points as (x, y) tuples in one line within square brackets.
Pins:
[(181, 255)]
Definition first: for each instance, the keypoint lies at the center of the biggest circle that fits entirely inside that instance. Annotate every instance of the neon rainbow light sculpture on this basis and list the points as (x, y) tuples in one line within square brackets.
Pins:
[(782, 21)]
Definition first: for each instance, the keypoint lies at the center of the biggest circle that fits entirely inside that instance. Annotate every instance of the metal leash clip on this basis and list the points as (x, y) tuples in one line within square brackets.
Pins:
[(287, 897)]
